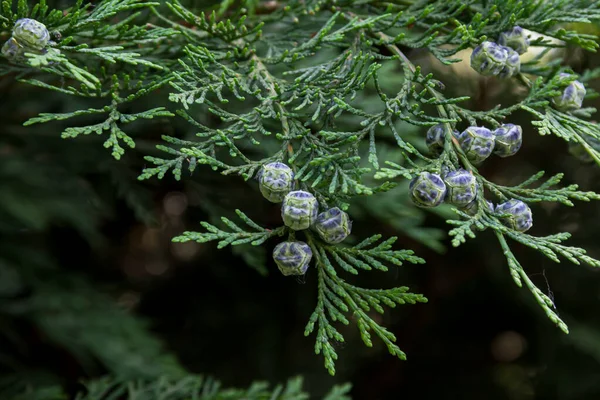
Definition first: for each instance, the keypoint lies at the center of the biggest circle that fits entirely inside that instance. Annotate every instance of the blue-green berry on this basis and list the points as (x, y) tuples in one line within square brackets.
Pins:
[(292, 258), (275, 181), (515, 39), (427, 190), (299, 210), (31, 33), (571, 98), (519, 215), (489, 58), (333, 225), (435, 139), (508, 140), (461, 186), (12, 50), (477, 142), (512, 66)]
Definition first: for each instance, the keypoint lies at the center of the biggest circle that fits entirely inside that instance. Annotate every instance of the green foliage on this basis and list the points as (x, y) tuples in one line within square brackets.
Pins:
[(236, 237), (336, 296), (191, 386), (300, 82)]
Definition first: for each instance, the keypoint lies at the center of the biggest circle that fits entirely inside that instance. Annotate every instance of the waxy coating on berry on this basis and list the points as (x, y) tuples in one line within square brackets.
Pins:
[(299, 210), (333, 225), (489, 58), (435, 139), (512, 66), (519, 216), (571, 98), (292, 258), (12, 50), (477, 142), (31, 33), (508, 140), (427, 190), (461, 187), (275, 181), (516, 39)]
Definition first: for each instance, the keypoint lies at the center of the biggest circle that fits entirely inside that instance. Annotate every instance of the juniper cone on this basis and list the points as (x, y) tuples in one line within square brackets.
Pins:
[(427, 190), (435, 139), (515, 39), (477, 142), (520, 217), (489, 58), (508, 140), (512, 65), (292, 258), (571, 98), (299, 210), (31, 34), (12, 50), (461, 186), (333, 225), (275, 181)]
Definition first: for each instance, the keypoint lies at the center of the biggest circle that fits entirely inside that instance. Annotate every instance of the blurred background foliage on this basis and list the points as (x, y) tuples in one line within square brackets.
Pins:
[(90, 283)]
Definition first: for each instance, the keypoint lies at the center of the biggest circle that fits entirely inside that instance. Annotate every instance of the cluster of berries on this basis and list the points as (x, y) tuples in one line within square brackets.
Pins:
[(28, 36), (478, 142), (299, 211), (502, 59), (460, 187)]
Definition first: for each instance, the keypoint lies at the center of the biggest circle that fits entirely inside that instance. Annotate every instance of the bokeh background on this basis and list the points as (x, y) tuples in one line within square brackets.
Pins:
[(91, 284)]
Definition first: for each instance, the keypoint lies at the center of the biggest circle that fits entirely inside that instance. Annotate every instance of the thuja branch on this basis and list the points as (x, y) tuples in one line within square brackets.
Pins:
[(452, 152)]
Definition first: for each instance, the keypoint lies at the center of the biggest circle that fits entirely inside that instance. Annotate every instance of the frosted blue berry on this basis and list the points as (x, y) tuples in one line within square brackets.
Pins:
[(461, 187), (427, 190), (31, 33), (292, 258), (12, 50), (299, 210), (435, 139), (512, 66), (515, 39), (477, 142), (519, 216), (571, 97), (489, 58), (333, 225), (275, 181), (508, 140)]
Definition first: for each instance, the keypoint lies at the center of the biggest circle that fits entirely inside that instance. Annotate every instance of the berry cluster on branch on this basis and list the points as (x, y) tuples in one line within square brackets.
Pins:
[(293, 95)]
